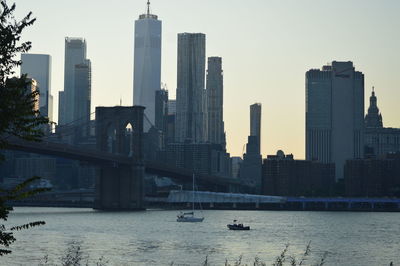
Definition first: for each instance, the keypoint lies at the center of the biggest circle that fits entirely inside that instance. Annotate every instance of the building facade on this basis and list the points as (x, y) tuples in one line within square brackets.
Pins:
[(335, 114), (373, 177), (379, 140), (147, 62), (161, 109), (255, 123), (83, 87), (284, 176), (38, 67), (215, 100), (191, 111), (250, 168), (75, 54), (172, 107), (201, 158)]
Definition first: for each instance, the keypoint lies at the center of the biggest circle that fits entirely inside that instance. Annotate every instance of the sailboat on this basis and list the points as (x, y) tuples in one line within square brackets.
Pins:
[(189, 217)]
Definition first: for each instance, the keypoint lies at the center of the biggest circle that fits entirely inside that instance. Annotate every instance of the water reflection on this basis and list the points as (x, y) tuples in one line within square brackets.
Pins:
[(155, 238)]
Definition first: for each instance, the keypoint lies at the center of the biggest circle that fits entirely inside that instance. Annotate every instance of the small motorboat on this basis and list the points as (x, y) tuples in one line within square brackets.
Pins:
[(237, 226)]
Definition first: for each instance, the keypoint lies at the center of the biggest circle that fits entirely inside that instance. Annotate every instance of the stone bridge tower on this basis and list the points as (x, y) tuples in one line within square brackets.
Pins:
[(119, 130)]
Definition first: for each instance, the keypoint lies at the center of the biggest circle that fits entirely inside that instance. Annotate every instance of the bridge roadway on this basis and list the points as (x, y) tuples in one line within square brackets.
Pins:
[(102, 158)]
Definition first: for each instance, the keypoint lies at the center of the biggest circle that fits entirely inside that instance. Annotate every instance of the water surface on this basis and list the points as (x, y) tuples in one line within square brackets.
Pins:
[(154, 237)]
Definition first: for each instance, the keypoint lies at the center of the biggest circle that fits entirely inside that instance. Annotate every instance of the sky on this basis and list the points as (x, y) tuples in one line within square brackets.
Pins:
[(266, 47)]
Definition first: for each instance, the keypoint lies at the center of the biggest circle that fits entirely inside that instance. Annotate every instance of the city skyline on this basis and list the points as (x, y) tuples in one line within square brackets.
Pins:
[(263, 78)]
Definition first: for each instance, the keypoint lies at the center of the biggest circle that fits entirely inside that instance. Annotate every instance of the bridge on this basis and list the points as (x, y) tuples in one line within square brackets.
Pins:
[(119, 185)]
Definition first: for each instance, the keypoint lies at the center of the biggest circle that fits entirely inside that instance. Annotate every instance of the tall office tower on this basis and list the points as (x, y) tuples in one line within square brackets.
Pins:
[(172, 107), (61, 108), (373, 118), (75, 54), (255, 123), (215, 99), (161, 109), (82, 100), (191, 120), (250, 169), (38, 67), (147, 62), (334, 114)]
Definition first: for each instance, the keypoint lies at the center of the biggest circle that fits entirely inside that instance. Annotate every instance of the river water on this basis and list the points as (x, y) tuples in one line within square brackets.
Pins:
[(153, 237)]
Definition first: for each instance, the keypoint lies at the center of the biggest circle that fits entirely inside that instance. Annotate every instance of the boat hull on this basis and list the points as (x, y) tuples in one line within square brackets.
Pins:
[(190, 219), (235, 227)]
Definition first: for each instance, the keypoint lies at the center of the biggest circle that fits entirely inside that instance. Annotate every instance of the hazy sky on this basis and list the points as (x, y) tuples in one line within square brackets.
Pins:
[(266, 47)]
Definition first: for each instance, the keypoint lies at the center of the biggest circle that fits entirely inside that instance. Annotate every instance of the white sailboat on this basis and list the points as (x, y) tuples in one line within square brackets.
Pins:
[(189, 217)]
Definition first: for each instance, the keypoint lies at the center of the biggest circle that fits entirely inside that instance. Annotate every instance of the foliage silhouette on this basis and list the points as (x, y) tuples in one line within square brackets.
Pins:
[(18, 116)]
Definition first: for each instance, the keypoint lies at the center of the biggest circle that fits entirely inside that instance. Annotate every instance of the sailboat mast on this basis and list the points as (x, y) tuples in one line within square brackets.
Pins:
[(193, 193)]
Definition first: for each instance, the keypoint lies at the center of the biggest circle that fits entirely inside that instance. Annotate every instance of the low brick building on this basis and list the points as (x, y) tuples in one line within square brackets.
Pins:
[(282, 175), (373, 177)]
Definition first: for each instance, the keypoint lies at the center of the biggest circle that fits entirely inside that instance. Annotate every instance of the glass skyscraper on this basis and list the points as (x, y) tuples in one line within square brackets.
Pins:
[(215, 101), (147, 62), (75, 54), (191, 104), (38, 67), (335, 114)]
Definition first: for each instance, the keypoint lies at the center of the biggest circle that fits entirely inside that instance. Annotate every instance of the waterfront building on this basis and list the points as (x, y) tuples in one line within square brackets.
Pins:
[(216, 132), (284, 176), (379, 140), (255, 123), (201, 158), (191, 119), (35, 165), (38, 67), (334, 114), (236, 162), (250, 169), (75, 54), (147, 62), (373, 177)]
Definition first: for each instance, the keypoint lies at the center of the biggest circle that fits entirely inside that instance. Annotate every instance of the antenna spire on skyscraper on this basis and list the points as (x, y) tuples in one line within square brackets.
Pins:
[(148, 7)]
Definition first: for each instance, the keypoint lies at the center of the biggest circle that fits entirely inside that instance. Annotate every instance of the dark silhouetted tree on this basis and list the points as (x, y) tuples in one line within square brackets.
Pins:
[(18, 116)]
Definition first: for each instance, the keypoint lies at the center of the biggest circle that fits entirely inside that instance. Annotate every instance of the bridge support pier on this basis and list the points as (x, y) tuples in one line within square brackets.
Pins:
[(120, 187)]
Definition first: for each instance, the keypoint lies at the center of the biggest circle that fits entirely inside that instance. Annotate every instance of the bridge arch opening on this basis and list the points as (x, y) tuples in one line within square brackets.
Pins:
[(128, 139)]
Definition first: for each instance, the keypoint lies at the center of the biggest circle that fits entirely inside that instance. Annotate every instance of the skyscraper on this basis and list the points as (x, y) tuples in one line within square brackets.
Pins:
[(373, 119), (161, 110), (61, 108), (215, 99), (255, 123), (75, 54), (334, 114), (38, 67), (83, 84), (147, 62), (191, 120)]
